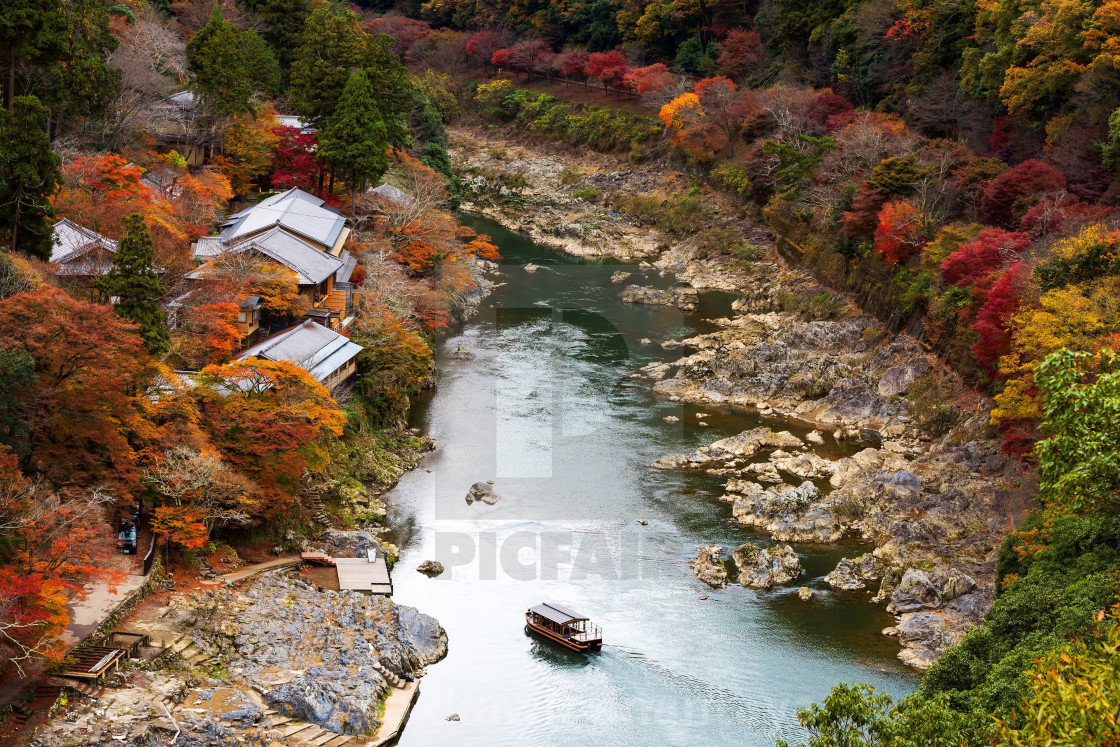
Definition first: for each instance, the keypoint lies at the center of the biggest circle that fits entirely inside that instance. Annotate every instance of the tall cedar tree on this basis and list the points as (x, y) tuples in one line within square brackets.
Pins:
[(217, 61), (285, 19), (29, 175), (354, 141), (67, 44), (134, 282), (334, 44)]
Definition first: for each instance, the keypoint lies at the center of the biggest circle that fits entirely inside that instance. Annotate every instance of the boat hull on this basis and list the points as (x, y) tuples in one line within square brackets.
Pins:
[(568, 643)]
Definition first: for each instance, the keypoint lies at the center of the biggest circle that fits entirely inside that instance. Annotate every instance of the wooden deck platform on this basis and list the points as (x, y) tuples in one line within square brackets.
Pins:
[(369, 574)]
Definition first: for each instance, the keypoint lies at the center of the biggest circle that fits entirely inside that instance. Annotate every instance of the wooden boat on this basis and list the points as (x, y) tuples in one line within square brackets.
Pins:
[(562, 625)]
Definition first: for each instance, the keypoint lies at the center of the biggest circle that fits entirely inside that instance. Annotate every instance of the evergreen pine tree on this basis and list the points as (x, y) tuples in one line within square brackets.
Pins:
[(355, 140), (392, 88), (29, 30), (285, 19), (217, 61), (133, 281), (28, 177), (332, 45)]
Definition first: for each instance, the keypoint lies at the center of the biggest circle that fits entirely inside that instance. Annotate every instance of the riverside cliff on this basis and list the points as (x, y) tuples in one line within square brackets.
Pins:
[(926, 486)]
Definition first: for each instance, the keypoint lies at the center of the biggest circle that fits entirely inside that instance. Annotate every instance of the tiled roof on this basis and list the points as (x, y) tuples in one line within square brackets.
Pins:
[(295, 210), (311, 264), (209, 246), (72, 240), (315, 348)]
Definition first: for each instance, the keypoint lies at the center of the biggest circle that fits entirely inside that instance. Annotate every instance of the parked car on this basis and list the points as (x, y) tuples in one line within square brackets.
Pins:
[(126, 537)]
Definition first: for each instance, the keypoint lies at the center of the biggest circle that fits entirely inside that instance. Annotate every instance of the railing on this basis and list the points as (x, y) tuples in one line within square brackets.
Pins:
[(150, 558), (589, 633)]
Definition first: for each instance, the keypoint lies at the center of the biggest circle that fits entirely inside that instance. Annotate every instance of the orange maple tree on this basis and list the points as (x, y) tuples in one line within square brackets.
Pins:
[(270, 420)]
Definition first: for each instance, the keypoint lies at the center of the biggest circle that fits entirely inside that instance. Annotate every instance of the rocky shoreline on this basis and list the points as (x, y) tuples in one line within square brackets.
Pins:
[(925, 484)]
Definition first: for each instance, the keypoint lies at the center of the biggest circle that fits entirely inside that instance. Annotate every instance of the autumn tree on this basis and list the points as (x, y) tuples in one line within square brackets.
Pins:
[(993, 319), (49, 549), (900, 232), (270, 420), (483, 45), (28, 177), (530, 56), (79, 411), (741, 54), (240, 272), (574, 65), (1005, 199), (990, 250), (294, 161), (204, 333), (247, 150), (196, 489), (607, 67), (725, 107), (134, 283), (651, 79), (355, 140)]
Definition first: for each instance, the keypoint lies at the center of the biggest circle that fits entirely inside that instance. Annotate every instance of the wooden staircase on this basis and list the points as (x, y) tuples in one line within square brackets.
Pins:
[(35, 711), (336, 301)]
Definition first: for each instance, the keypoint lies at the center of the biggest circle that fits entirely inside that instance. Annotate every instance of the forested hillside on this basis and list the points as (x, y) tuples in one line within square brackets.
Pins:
[(951, 165)]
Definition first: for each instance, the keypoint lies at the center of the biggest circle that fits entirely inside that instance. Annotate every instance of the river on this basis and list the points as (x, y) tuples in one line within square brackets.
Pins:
[(544, 407)]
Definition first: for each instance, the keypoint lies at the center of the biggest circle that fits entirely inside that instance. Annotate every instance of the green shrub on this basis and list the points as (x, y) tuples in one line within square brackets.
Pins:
[(588, 194), (733, 179), (642, 208), (930, 407), (686, 216), (570, 175), (716, 240), (748, 252)]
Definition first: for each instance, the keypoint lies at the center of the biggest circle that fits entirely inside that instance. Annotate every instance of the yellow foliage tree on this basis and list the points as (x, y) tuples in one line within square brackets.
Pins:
[(1064, 318)]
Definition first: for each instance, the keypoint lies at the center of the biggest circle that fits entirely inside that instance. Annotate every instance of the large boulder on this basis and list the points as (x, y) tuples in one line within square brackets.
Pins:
[(350, 707), (484, 492), (708, 566), (915, 592), (899, 379), (919, 590), (763, 568), (924, 635), (788, 514), (853, 574)]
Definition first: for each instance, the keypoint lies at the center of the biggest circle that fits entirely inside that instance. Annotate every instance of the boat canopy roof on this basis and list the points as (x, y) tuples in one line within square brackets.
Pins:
[(556, 613)]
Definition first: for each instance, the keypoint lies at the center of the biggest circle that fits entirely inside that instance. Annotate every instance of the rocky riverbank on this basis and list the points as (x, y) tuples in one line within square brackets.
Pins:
[(274, 654), (927, 487)]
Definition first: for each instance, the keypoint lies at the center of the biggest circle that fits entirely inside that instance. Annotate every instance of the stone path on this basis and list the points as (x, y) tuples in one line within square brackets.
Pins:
[(87, 614)]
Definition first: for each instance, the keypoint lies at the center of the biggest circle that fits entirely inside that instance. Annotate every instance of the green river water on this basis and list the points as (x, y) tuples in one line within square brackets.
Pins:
[(543, 407)]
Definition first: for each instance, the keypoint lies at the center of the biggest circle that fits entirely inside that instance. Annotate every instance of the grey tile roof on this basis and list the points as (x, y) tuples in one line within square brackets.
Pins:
[(295, 210), (290, 120), (72, 240), (208, 246), (311, 264), (315, 348)]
